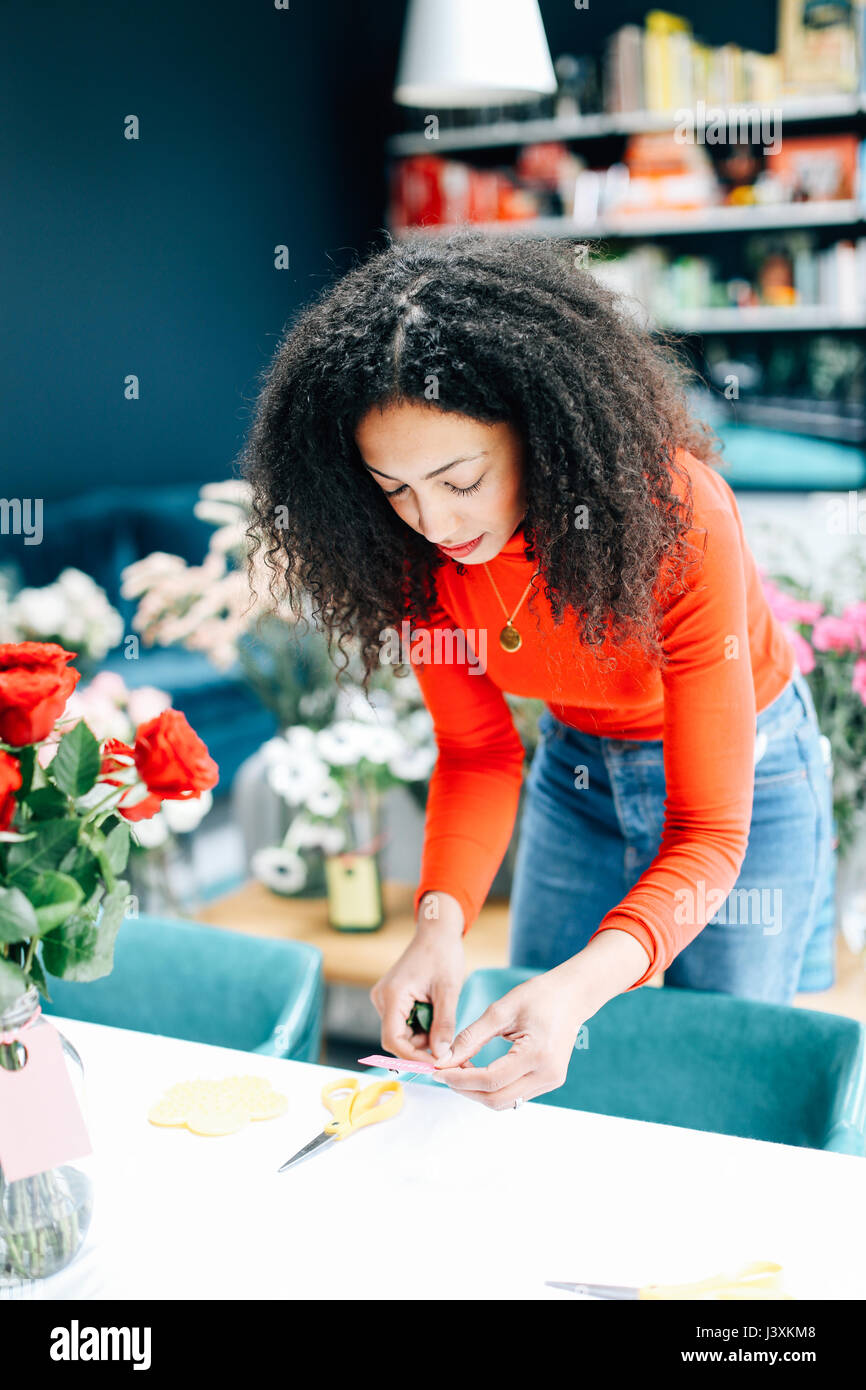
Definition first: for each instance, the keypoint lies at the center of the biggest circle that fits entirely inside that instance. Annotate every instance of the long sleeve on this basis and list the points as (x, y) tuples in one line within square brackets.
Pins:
[(709, 750), (475, 786)]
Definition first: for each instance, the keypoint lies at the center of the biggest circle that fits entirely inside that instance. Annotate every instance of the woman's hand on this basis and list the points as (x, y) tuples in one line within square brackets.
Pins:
[(431, 970), (541, 1018)]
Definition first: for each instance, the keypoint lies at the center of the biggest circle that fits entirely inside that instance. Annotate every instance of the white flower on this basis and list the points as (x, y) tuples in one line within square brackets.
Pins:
[(413, 765), (151, 833), (344, 743), (280, 869), (385, 744), (333, 839), (325, 800), (216, 512), (186, 814), (300, 739), (228, 490), (307, 834)]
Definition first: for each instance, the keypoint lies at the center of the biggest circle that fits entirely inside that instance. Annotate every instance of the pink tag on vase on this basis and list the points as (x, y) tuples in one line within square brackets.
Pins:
[(400, 1064), (41, 1124)]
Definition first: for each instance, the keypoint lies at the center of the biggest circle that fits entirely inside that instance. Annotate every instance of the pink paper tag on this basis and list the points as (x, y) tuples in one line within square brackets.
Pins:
[(41, 1124), (399, 1064)]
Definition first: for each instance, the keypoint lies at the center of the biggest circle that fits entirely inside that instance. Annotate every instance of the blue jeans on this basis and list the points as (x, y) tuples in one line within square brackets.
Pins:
[(580, 851)]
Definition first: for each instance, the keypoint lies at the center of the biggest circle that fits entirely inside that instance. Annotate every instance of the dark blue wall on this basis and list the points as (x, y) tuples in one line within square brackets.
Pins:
[(155, 256)]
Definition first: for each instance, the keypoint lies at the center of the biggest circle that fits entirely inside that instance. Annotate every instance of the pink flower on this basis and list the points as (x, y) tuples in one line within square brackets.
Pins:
[(858, 684), (789, 609), (803, 652), (835, 635), (856, 613)]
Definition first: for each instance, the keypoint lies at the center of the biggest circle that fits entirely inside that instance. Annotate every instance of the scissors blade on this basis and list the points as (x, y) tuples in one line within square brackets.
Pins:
[(595, 1290), (308, 1149)]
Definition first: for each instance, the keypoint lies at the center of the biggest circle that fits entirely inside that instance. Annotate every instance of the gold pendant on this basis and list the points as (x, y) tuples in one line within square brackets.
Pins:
[(510, 639)]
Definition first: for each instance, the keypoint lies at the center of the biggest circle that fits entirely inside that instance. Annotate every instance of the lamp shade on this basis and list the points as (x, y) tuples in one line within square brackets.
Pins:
[(473, 53)]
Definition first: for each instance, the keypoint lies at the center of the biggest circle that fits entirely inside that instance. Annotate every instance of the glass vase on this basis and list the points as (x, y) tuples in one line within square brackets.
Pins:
[(44, 1219)]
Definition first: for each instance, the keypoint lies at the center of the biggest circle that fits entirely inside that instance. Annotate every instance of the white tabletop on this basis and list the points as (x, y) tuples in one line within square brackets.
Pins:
[(448, 1200)]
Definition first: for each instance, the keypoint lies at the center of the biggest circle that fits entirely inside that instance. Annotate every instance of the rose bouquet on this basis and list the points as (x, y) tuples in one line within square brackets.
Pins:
[(66, 806)]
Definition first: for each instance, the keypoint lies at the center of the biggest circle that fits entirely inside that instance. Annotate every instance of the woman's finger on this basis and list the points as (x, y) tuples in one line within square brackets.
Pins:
[(527, 1088), (502, 1073), (397, 1037), (470, 1040)]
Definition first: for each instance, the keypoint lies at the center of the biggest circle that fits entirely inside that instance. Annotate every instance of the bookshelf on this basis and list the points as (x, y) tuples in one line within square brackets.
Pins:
[(750, 245), (502, 134)]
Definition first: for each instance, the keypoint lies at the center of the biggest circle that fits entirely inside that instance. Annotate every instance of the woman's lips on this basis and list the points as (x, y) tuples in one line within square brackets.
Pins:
[(460, 550)]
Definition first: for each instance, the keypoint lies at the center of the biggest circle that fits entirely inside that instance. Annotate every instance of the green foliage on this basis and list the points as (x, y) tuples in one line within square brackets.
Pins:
[(61, 898), (75, 767)]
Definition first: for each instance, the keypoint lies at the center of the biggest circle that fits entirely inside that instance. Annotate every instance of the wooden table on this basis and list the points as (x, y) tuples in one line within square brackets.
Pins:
[(361, 958), (353, 958)]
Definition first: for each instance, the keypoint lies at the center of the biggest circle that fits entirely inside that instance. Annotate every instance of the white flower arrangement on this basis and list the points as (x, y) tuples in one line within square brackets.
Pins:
[(333, 778), (73, 610)]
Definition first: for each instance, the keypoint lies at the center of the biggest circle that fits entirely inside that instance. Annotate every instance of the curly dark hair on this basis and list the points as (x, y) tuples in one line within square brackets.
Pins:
[(511, 329)]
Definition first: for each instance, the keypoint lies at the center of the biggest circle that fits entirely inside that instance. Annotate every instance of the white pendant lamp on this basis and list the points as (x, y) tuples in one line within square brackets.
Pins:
[(473, 53)]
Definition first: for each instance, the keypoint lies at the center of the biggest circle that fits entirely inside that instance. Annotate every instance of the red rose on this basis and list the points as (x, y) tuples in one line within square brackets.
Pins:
[(142, 810), (34, 687), (171, 758), (10, 781)]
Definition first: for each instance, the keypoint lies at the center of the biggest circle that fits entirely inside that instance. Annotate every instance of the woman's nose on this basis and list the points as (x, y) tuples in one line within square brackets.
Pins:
[(438, 523)]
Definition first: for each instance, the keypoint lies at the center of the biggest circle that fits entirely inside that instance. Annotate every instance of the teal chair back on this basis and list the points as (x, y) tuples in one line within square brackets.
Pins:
[(707, 1061), (205, 984)]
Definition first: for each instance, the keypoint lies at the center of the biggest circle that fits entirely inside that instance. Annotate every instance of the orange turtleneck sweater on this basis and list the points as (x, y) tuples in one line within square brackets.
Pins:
[(728, 658)]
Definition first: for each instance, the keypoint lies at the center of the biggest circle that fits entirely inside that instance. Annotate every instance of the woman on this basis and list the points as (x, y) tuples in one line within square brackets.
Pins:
[(471, 436)]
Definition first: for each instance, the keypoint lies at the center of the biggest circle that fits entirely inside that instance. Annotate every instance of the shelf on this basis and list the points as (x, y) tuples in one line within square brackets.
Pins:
[(760, 319), (594, 127), (838, 213)]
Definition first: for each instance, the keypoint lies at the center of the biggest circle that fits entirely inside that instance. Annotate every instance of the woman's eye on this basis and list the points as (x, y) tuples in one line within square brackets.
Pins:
[(460, 491)]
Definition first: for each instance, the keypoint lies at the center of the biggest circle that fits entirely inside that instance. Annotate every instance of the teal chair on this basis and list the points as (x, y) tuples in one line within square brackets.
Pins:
[(707, 1061), (205, 984)]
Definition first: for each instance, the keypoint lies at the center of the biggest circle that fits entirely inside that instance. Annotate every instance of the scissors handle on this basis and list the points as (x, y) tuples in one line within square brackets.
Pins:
[(355, 1107), (758, 1280)]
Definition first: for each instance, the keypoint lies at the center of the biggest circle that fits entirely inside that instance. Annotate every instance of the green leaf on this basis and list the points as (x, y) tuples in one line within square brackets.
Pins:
[(117, 847), (13, 982), (82, 949), (45, 850), (47, 802), (26, 761), (81, 864), (17, 917), (37, 975), (75, 767), (54, 896)]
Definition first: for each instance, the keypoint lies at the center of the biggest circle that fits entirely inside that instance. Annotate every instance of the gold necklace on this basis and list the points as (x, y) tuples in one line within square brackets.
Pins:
[(510, 639)]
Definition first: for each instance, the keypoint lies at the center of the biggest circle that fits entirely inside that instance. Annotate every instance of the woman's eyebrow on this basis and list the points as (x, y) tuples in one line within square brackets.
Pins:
[(467, 458)]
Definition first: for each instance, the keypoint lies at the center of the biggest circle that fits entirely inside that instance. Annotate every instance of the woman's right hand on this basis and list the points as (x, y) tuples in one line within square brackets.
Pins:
[(430, 970)]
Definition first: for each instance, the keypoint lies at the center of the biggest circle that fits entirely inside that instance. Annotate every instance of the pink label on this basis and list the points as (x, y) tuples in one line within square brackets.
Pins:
[(41, 1124), (399, 1064)]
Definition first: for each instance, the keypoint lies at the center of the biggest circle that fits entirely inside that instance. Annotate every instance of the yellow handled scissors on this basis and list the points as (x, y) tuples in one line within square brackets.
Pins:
[(758, 1280), (352, 1107)]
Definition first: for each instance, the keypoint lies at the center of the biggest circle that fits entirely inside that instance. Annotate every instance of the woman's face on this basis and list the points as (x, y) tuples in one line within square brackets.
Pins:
[(455, 480)]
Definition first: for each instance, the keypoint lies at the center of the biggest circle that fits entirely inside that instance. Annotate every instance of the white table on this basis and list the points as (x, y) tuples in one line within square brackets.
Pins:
[(447, 1200)]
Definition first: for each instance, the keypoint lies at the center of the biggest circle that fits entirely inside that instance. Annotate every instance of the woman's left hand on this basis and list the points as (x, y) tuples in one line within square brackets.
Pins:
[(541, 1018)]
